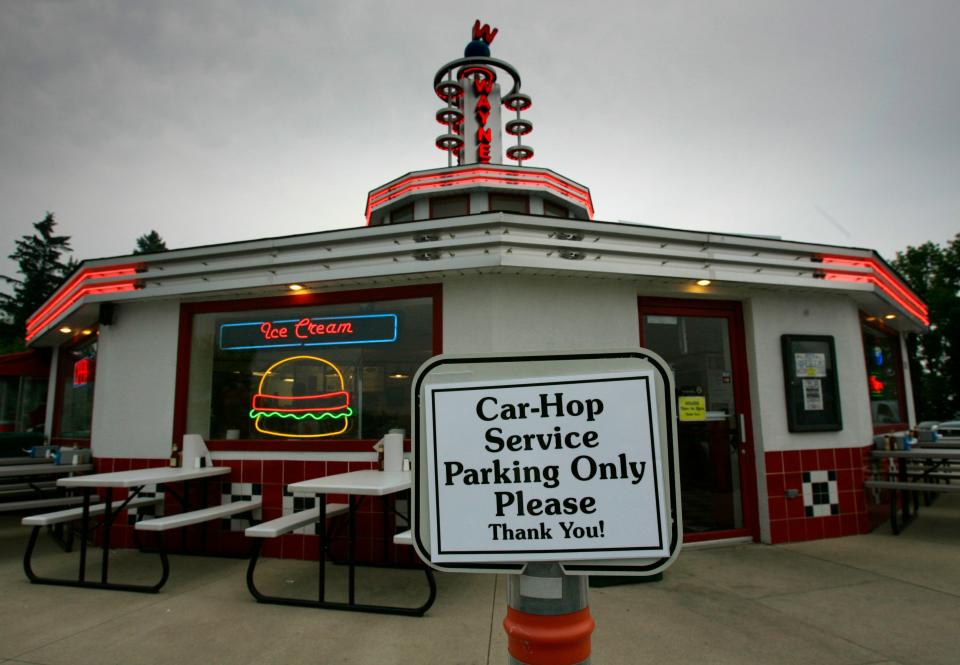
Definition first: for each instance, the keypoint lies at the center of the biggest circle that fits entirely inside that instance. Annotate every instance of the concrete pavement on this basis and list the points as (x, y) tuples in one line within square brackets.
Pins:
[(877, 599)]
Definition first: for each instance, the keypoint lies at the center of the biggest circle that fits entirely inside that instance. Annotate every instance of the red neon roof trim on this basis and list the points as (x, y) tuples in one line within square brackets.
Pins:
[(877, 267), (532, 177), (78, 287), (478, 179), (919, 312), (882, 278), (37, 325), (60, 304), (66, 291)]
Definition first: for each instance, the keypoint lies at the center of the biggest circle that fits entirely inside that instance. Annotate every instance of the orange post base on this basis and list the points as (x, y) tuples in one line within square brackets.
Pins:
[(538, 639)]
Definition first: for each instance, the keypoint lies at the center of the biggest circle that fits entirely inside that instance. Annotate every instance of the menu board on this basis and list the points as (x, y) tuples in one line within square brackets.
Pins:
[(810, 383)]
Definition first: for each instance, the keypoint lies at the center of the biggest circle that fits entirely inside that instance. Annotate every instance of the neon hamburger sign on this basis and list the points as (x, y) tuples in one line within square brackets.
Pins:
[(285, 406)]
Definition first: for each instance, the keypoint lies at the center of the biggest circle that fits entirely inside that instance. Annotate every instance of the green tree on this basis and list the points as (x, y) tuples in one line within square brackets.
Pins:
[(42, 269), (150, 243), (933, 271)]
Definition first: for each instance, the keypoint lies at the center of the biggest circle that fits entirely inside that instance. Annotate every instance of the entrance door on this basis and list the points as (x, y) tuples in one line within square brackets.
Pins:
[(703, 342)]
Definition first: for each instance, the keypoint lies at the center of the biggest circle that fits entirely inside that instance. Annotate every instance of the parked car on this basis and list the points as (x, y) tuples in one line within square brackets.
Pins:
[(949, 428)]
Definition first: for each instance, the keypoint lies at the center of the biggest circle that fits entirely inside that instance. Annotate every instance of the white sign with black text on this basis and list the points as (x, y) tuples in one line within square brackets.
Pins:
[(560, 468)]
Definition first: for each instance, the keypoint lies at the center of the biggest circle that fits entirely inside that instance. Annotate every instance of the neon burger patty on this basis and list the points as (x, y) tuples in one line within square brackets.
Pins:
[(317, 407)]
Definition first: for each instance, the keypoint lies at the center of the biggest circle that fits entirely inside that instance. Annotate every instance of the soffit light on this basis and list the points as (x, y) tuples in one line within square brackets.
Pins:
[(86, 331), (704, 282), (888, 317), (66, 330), (295, 287)]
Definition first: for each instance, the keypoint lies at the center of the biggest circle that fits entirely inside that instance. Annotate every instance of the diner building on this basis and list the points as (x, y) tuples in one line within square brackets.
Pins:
[(293, 355)]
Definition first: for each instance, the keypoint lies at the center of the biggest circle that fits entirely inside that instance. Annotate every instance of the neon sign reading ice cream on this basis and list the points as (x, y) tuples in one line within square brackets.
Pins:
[(309, 331), (305, 329)]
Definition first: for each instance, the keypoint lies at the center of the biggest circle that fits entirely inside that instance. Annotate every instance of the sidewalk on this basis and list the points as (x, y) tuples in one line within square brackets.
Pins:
[(875, 599)]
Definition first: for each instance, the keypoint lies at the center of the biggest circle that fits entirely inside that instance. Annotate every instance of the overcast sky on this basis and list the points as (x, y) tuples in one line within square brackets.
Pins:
[(213, 121)]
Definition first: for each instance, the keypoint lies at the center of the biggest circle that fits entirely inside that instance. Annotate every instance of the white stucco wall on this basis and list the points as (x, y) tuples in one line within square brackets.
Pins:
[(495, 313), (770, 315), (136, 381)]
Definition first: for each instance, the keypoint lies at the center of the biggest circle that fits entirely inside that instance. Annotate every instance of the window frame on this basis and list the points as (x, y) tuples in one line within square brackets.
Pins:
[(63, 373), (509, 195), (188, 310), (894, 335), (547, 203), (435, 199)]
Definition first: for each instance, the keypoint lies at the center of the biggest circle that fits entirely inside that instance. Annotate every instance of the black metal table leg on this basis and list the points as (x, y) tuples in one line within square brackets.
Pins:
[(322, 555), (84, 533), (108, 516), (351, 555)]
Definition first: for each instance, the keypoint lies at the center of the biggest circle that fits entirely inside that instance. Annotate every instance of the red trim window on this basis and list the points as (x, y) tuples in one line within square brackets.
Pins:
[(76, 374), (885, 380), (305, 372)]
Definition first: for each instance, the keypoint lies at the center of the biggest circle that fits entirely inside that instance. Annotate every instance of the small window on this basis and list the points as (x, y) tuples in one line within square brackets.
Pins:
[(76, 371), (884, 379), (509, 203), (402, 214), (551, 209), (450, 206)]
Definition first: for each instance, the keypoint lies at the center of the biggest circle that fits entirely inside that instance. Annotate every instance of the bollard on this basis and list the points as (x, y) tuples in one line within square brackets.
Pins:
[(548, 620)]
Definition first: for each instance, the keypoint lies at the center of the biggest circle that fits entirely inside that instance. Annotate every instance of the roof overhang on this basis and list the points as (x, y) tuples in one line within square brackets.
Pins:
[(488, 242)]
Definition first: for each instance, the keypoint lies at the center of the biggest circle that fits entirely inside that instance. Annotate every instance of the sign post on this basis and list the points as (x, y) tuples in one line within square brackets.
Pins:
[(552, 468)]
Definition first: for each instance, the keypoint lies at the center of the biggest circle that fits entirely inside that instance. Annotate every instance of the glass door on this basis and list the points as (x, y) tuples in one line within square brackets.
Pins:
[(703, 344)]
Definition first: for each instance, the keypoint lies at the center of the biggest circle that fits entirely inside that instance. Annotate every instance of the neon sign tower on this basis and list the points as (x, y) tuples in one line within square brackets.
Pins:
[(470, 88), (482, 100)]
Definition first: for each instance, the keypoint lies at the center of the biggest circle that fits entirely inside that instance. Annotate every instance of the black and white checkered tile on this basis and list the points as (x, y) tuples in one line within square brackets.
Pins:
[(240, 492), (820, 494), (134, 515), (294, 504)]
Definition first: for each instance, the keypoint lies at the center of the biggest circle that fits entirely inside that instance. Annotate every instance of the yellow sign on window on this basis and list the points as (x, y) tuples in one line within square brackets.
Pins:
[(692, 408)]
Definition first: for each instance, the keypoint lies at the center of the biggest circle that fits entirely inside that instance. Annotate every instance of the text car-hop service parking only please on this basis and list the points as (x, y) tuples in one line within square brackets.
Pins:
[(565, 458)]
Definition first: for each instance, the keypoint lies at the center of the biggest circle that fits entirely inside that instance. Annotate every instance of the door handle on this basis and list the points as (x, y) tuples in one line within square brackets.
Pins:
[(743, 429)]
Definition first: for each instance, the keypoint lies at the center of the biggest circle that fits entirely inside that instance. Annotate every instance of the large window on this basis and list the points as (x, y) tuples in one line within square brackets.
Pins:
[(76, 371), (308, 372), (884, 378)]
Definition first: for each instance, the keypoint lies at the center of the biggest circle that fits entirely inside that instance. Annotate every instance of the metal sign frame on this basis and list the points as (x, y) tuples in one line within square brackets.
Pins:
[(482, 367)]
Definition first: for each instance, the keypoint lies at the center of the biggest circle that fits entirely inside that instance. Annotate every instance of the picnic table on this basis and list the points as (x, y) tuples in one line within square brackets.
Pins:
[(356, 485), (27, 483), (134, 483), (922, 471)]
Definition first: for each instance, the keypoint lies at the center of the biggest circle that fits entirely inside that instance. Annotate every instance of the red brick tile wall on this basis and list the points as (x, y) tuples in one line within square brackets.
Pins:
[(788, 522)]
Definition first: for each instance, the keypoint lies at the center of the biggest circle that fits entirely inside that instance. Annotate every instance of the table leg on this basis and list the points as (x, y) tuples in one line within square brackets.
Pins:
[(322, 556), (351, 557), (107, 523), (387, 501), (84, 532)]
